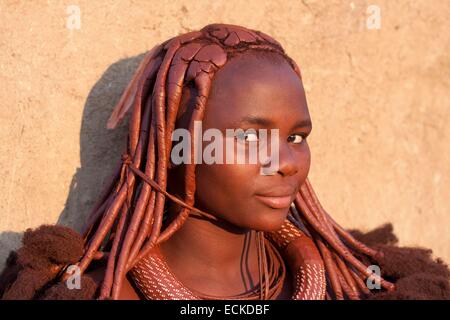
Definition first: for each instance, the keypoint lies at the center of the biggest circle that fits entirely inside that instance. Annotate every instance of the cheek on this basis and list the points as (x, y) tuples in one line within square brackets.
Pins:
[(305, 161), (221, 186), (304, 158)]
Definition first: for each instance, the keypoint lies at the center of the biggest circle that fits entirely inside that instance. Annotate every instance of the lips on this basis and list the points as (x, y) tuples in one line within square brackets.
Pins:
[(277, 198), (279, 202)]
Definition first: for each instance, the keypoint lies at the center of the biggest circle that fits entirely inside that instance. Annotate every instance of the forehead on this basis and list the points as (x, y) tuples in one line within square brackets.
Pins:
[(256, 87)]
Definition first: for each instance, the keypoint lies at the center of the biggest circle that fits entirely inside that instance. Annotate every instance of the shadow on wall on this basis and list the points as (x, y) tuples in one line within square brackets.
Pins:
[(8, 241), (100, 150)]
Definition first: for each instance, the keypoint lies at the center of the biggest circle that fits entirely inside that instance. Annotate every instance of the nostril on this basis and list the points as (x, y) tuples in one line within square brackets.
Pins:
[(288, 170)]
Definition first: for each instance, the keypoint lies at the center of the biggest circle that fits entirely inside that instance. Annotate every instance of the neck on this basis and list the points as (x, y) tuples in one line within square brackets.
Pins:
[(213, 247)]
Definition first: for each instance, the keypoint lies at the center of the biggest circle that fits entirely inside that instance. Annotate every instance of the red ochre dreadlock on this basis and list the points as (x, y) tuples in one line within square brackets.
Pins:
[(128, 218)]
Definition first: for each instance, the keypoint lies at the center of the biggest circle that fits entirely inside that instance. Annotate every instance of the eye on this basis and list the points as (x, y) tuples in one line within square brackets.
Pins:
[(296, 138), (247, 136), (251, 137)]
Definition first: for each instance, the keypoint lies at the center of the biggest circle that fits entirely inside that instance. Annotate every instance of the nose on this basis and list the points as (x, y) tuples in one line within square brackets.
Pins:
[(287, 162), (283, 160)]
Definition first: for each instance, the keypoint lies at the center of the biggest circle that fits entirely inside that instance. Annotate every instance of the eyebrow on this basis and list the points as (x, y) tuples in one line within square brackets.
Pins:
[(267, 123), (256, 120)]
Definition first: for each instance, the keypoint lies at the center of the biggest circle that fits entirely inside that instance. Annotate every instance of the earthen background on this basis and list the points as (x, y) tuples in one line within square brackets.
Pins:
[(379, 101)]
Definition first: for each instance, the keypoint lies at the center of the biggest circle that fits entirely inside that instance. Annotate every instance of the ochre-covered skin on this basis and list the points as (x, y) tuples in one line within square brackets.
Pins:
[(194, 221), (155, 279)]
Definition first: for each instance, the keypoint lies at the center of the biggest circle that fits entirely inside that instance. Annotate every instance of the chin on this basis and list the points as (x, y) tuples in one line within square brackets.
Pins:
[(270, 220)]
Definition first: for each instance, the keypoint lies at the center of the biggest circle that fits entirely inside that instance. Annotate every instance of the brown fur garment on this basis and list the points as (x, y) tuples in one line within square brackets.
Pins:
[(31, 269), (417, 276), (29, 275)]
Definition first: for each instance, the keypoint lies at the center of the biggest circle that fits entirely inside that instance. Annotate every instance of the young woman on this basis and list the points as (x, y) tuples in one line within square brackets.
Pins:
[(206, 230)]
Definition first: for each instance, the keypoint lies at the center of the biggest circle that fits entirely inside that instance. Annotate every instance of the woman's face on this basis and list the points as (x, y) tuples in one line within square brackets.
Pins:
[(255, 93)]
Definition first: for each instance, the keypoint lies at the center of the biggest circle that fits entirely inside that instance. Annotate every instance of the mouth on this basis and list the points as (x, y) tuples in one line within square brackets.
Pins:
[(278, 202)]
